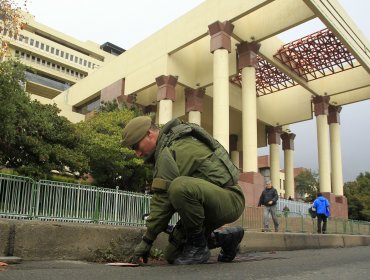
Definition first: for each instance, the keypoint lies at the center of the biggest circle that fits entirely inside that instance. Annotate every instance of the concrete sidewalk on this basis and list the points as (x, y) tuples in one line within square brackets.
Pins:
[(33, 240)]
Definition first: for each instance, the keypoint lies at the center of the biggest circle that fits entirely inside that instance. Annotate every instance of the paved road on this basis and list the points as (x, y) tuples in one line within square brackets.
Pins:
[(341, 263)]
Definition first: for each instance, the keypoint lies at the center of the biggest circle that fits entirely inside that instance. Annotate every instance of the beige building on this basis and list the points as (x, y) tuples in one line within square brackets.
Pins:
[(222, 66), (56, 61)]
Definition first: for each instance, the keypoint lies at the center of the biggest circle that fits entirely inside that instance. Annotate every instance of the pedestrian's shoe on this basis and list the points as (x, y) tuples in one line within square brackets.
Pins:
[(195, 252), (276, 230), (229, 239)]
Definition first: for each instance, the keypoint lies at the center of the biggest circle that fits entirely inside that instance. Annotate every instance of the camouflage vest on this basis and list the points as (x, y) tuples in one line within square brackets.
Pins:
[(177, 129)]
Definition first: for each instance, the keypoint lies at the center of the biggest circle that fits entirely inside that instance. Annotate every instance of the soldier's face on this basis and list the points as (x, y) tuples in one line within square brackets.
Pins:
[(147, 145)]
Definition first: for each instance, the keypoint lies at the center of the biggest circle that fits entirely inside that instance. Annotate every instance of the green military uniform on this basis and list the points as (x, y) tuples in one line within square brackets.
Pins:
[(191, 180)]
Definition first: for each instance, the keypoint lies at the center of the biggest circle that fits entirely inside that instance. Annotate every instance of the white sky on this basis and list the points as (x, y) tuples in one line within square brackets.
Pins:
[(125, 23)]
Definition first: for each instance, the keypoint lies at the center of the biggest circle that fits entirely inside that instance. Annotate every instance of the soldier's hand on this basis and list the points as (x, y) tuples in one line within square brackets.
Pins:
[(141, 251)]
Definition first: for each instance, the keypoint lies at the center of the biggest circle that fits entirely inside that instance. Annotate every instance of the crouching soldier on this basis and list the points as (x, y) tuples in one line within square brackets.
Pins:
[(193, 176)]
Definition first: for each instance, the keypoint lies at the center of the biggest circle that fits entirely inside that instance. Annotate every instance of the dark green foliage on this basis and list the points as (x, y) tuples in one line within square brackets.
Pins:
[(358, 196), (307, 183), (110, 164), (34, 138)]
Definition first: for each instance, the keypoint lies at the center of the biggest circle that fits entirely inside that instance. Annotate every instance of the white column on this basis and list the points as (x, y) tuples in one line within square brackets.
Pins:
[(323, 152), (289, 173), (235, 158), (275, 165), (220, 46), (166, 95), (288, 147), (249, 120), (165, 111), (321, 105), (195, 117), (336, 159), (221, 97)]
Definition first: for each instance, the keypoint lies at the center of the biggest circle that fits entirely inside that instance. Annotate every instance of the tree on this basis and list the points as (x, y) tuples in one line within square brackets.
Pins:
[(35, 140), (307, 184), (13, 101), (358, 197), (110, 164), (12, 20)]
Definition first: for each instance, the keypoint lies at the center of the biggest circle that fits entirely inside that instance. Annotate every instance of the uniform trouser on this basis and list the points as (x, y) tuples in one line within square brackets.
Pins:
[(202, 207), (270, 210), (321, 218)]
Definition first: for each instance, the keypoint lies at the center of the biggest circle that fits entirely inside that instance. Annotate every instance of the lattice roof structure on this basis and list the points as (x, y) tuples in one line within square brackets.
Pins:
[(312, 57), (269, 79), (317, 55)]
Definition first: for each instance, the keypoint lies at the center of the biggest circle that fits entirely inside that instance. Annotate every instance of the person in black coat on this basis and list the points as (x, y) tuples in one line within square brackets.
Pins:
[(268, 198)]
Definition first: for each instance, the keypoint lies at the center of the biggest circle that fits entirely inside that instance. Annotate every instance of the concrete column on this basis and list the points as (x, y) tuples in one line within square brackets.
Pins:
[(321, 104), (247, 61), (234, 153), (335, 149), (166, 95), (220, 46), (288, 147), (273, 137), (194, 104)]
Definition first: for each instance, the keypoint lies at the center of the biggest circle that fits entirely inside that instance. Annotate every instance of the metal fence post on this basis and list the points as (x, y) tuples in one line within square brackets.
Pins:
[(37, 206), (116, 204), (97, 206)]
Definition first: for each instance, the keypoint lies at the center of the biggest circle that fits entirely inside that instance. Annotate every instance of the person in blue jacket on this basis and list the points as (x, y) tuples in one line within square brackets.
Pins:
[(321, 205)]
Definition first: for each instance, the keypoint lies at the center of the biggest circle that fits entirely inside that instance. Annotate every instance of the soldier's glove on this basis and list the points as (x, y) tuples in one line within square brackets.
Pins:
[(142, 251)]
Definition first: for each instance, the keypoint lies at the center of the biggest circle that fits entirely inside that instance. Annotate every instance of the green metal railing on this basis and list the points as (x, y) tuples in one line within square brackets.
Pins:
[(24, 198)]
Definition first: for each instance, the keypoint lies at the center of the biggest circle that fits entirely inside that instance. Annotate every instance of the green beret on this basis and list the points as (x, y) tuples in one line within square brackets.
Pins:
[(135, 130)]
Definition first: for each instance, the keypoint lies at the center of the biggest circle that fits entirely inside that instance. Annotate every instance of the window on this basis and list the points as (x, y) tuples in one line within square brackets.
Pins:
[(62, 53), (31, 42), (52, 50), (76, 59), (89, 64), (47, 48), (42, 46), (67, 55), (37, 44), (71, 57), (57, 52)]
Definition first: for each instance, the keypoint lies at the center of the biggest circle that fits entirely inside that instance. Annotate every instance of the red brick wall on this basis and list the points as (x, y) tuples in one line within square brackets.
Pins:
[(252, 184)]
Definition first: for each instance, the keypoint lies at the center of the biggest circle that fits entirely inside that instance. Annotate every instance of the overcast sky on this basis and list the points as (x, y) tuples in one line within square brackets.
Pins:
[(125, 23)]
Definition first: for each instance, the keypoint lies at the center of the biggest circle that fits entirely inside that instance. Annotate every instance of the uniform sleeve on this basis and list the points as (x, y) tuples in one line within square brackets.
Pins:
[(161, 209), (161, 212)]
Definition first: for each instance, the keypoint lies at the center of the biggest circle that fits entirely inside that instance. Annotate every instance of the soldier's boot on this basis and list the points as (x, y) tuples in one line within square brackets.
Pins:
[(195, 251), (228, 239)]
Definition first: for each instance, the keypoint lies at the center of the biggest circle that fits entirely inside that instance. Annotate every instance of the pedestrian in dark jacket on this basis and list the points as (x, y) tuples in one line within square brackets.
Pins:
[(268, 198), (321, 205)]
